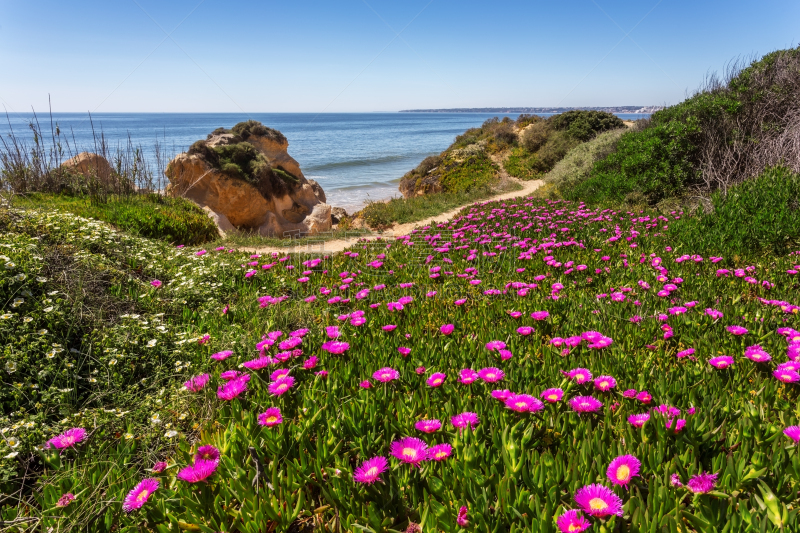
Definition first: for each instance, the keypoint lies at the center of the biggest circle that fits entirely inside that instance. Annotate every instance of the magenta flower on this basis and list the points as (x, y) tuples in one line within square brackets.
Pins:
[(207, 452), (461, 518), (736, 330), (370, 470), (721, 362), (464, 420), (270, 417), (447, 329), (197, 383), (793, 432), (281, 385), (491, 374), (365, 384), (440, 452), (585, 404), (155, 283), (525, 330), (233, 388), (221, 356), (278, 374), (335, 347), (638, 420), (436, 379), (388, 327), (404, 351), (572, 522), (428, 426), (229, 375), (502, 395), (680, 423), (756, 353), (65, 499), (524, 403), (702, 483), (467, 376), (605, 383), (623, 469), (786, 375), (644, 397), (310, 363), (68, 439), (540, 315), (137, 497), (199, 471), (553, 395), (159, 467), (629, 393), (685, 353), (410, 450), (580, 375), (259, 363), (597, 500), (386, 374)]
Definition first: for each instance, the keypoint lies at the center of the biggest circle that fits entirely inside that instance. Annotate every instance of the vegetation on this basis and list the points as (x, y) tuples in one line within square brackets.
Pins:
[(479, 323), (729, 131), (576, 166)]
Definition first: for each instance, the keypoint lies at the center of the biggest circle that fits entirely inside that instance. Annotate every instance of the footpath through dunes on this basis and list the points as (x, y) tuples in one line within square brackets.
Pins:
[(312, 244)]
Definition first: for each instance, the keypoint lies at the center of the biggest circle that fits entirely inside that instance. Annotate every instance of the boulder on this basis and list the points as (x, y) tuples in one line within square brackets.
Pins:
[(245, 177), (89, 165), (337, 214)]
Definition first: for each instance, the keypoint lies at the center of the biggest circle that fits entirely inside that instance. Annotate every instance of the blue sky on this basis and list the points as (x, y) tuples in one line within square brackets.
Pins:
[(372, 55)]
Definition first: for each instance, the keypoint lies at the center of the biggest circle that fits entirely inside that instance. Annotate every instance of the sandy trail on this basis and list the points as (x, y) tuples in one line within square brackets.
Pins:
[(309, 244)]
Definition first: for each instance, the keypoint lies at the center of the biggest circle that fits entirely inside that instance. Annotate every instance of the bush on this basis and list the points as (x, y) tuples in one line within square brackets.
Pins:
[(759, 215), (164, 218), (535, 136), (577, 164), (474, 172), (524, 120), (253, 127), (583, 125), (522, 164)]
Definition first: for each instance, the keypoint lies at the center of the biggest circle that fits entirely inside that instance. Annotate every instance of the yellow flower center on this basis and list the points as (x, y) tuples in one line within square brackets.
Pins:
[(440, 455), (597, 504), (574, 527), (623, 472), (143, 495), (282, 387), (372, 471), (437, 381), (409, 452), (272, 419), (604, 384), (552, 397)]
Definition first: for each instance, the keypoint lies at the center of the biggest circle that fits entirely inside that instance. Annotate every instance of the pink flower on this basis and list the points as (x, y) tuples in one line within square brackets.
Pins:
[(65, 499), (310, 363), (139, 495), (572, 522), (580, 375), (491, 374), (736, 330), (281, 385), (68, 439), (447, 329), (428, 426), (388, 327), (605, 383), (552, 395), (365, 384), (440, 452), (155, 283), (524, 403), (409, 450), (221, 356), (197, 383), (464, 420), (335, 347), (721, 362), (159, 467), (540, 315), (525, 330), (233, 388), (259, 363), (270, 417), (461, 518), (597, 500), (467, 376), (495, 345), (702, 483), (623, 469), (585, 404), (370, 470), (386, 374), (638, 420), (404, 351), (199, 471), (436, 379)]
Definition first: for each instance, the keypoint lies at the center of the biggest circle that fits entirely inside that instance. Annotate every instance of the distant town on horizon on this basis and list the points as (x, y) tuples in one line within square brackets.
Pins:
[(612, 109)]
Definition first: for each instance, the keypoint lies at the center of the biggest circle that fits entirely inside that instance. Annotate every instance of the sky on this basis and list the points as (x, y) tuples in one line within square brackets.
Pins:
[(372, 55)]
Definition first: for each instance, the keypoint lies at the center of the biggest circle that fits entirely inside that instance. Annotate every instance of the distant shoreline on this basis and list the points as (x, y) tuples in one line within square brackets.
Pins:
[(643, 110)]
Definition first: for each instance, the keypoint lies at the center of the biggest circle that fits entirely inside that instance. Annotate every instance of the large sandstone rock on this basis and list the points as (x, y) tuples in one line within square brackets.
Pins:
[(271, 203), (90, 165)]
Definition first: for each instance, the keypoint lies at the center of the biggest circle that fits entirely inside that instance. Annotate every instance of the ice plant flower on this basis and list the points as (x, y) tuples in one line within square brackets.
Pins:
[(461, 518), (155, 283), (199, 471), (605, 383), (638, 420), (65, 499), (502, 395), (644, 397), (793, 432), (464, 420), (736, 330), (525, 330), (409, 450), (524, 403), (721, 362), (756, 353), (491, 374), (572, 522), (335, 347), (68, 439), (159, 467), (428, 426), (233, 388), (598, 500), (447, 329), (207, 453), (197, 383), (702, 483), (370, 470), (580, 375), (495, 345), (786, 375), (139, 495), (221, 356), (436, 379), (585, 404), (623, 469), (270, 417), (467, 376), (540, 315), (440, 452), (552, 395), (281, 385), (404, 351), (386, 374)]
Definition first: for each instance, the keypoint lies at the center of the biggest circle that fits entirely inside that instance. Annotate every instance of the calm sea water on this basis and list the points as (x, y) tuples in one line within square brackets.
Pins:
[(354, 156)]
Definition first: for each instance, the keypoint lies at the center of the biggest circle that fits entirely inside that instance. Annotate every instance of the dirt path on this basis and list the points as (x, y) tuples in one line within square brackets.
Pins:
[(309, 244)]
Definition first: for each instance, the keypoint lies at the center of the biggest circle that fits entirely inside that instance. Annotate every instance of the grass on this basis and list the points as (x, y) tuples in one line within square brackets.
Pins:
[(253, 240), (577, 165), (173, 220), (640, 279), (406, 210)]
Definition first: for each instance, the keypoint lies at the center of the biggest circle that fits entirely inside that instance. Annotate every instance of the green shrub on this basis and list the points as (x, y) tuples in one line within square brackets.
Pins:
[(253, 127), (535, 136), (474, 172), (525, 119), (578, 163), (522, 164), (174, 220), (583, 125), (759, 215)]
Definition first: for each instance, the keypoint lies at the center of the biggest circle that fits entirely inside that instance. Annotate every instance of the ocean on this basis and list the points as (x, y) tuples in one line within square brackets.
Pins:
[(356, 157)]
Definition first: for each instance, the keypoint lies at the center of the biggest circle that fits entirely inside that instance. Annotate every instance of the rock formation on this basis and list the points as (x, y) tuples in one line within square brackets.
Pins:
[(89, 164), (245, 178)]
